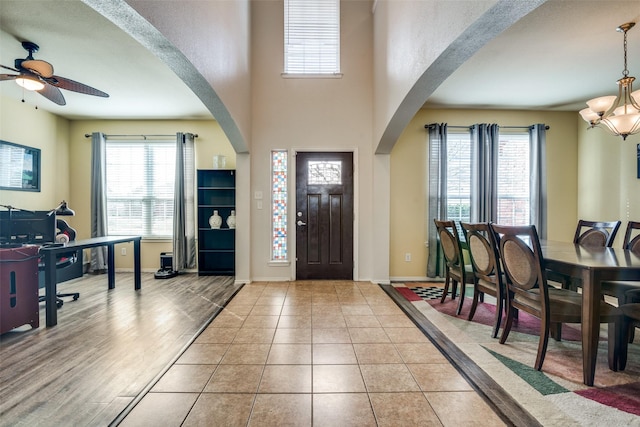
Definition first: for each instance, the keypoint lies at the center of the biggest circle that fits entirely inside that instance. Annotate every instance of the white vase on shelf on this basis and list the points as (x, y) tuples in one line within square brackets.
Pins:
[(231, 220), (215, 220)]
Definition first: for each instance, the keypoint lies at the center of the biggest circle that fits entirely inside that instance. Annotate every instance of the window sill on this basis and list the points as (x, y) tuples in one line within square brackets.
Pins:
[(279, 263)]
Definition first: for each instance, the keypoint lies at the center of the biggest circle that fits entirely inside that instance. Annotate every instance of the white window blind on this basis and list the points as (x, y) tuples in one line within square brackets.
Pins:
[(513, 179), (312, 36), (140, 185), (459, 176)]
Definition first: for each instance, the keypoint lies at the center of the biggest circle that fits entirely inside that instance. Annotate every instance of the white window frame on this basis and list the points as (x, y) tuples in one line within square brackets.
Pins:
[(312, 38), (148, 199)]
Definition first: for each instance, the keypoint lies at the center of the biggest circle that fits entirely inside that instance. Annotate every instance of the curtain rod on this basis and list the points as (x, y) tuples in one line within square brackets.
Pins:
[(88, 135), (501, 127)]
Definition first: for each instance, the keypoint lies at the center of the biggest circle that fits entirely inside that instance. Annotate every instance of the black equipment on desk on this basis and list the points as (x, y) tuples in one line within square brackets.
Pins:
[(18, 227)]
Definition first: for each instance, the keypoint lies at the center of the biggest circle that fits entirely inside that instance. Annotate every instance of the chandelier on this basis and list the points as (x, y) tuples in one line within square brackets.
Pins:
[(619, 114)]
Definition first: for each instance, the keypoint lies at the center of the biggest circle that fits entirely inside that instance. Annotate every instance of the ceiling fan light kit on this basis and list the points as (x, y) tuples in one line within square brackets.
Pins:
[(37, 75), (619, 114)]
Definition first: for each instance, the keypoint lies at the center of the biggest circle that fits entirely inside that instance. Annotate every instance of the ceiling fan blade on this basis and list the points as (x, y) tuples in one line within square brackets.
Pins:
[(8, 76), (9, 68), (53, 94), (68, 84), (38, 66)]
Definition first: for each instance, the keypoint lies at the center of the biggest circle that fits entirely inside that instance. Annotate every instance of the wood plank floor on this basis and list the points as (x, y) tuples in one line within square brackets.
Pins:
[(107, 347)]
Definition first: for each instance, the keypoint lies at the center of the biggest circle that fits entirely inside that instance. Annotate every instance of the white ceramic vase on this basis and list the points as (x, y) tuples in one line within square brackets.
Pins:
[(215, 220), (231, 220)]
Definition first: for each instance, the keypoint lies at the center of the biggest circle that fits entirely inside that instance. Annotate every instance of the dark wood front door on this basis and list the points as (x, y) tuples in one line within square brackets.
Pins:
[(324, 215)]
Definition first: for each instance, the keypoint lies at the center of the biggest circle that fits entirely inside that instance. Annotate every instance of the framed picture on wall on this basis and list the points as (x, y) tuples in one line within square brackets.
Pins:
[(19, 167)]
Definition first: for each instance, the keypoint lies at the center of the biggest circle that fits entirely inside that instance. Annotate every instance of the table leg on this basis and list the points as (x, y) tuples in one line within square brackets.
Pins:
[(590, 324), (50, 288), (111, 266), (136, 265)]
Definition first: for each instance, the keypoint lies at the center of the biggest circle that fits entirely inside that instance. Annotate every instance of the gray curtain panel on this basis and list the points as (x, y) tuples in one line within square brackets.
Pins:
[(484, 172), (98, 201), (184, 230), (437, 194), (538, 181)]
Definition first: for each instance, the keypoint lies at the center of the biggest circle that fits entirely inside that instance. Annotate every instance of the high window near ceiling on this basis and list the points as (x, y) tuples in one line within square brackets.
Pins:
[(140, 178), (312, 37)]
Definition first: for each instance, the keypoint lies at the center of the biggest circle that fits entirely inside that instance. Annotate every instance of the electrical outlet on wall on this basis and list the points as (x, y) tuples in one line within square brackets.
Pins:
[(407, 257), (123, 251)]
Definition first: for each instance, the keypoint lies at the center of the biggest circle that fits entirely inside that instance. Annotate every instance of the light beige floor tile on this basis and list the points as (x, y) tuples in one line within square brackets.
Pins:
[(406, 335), (292, 336), (344, 410), (337, 379), (229, 410), (438, 377), (238, 309), (290, 354), (184, 379), (376, 353), (328, 321), (326, 310), (385, 309), (296, 310), (420, 353), (227, 319), (235, 379), (161, 409), (368, 335), (362, 321), (202, 354), (286, 379), (293, 322), (276, 410), (388, 378), (396, 321), (213, 335), (254, 335), (246, 354), (330, 335), (257, 321), (270, 300), (404, 409), (334, 354), (462, 408), (265, 310), (356, 310)]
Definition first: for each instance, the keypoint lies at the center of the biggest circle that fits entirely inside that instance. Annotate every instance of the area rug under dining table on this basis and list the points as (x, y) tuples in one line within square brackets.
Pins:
[(556, 396)]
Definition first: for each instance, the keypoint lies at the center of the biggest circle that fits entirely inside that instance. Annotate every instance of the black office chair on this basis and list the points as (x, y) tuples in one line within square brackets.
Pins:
[(66, 262)]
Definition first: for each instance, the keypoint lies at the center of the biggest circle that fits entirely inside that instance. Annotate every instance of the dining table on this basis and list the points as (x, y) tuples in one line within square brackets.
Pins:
[(592, 265)]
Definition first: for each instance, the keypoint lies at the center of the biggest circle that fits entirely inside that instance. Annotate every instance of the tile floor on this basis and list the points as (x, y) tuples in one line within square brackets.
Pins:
[(326, 353)]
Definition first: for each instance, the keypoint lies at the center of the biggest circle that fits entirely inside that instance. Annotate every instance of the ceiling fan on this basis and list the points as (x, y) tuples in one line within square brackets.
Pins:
[(37, 75)]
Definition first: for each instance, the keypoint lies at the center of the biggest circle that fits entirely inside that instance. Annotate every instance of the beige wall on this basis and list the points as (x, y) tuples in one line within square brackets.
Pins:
[(21, 123), (409, 179), (607, 175), (310, 114)]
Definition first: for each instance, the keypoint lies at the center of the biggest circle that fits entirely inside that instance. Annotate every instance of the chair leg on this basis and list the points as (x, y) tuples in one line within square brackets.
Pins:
[(507, 325), (498, 317), (462, 290), (454, 289), (474, 304), (446, 288), (556, 331), (542, 346), (620, 345)]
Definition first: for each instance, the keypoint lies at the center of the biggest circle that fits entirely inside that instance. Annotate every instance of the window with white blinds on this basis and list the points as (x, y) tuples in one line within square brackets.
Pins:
[(312, 36), (512, 178), (140, 183), (459, 176)]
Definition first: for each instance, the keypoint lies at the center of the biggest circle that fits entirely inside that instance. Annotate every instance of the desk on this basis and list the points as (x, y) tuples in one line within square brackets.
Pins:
[(49, 259), (592, 265)]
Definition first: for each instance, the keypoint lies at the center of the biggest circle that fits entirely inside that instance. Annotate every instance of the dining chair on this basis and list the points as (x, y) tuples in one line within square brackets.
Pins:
[(588, 233), (631, 311), (456, 270), (528, 290), (631, 242), (486, 269)]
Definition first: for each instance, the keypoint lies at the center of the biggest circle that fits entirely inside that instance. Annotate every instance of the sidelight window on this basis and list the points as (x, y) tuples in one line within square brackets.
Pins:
[(279, 160)]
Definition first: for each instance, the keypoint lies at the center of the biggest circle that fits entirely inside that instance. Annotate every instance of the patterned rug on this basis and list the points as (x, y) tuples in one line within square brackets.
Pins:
[(556, 395)]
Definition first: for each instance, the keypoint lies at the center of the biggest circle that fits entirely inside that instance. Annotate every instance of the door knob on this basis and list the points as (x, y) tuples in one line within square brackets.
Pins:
[(301, 223)]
